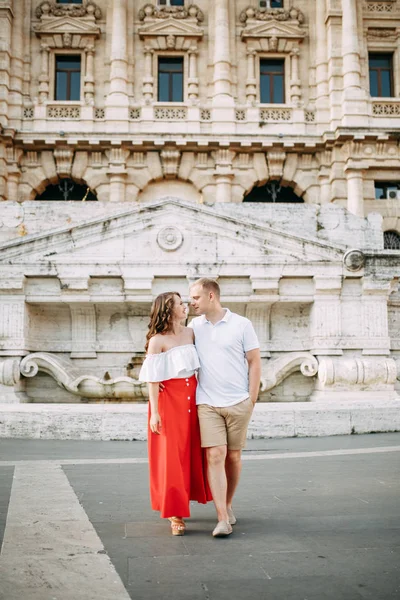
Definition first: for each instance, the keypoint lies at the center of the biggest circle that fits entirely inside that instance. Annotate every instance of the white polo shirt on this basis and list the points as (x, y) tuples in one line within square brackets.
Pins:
[(224, 373)]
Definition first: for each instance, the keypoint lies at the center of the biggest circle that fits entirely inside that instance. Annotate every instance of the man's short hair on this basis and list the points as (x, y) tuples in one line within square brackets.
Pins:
[(209, 285)]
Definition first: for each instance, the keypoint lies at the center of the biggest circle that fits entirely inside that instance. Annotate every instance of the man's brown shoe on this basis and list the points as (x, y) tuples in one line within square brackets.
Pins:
[(222, 529)]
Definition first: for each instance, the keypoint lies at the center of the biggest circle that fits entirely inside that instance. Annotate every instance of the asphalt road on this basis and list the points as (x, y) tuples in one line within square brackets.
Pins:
[(318, 519)]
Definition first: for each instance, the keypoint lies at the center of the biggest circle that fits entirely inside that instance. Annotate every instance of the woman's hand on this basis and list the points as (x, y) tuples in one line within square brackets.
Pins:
[(155, 423)]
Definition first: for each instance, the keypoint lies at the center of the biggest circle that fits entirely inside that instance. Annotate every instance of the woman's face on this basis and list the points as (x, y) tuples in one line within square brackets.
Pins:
[(180, 309)]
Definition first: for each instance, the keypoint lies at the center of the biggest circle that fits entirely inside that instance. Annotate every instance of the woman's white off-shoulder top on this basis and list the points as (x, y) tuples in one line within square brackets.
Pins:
[(177, 363)]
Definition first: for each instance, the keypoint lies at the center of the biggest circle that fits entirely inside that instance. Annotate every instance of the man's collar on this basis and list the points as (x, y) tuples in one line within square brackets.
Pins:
[(224, 319)]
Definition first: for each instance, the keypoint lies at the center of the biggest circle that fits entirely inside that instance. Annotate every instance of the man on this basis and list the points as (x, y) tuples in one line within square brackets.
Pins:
[(229, 381)]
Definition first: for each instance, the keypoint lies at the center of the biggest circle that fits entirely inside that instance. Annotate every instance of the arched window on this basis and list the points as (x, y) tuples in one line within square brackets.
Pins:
[(67, 189), (272, 191), (391, 240)]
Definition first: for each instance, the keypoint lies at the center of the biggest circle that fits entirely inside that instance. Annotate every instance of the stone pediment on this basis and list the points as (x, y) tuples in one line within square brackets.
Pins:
[(61, 25), (278, 29), (170, 26), (168, 231)]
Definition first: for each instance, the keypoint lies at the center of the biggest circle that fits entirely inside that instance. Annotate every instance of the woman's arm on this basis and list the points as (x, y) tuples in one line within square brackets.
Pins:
[(155, 347)]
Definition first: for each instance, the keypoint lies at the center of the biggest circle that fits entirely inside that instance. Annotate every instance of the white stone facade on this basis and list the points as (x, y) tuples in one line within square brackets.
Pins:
[(77, 278)]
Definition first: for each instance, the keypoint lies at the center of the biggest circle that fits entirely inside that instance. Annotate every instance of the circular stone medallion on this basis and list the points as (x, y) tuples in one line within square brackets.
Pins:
[(169, 238)]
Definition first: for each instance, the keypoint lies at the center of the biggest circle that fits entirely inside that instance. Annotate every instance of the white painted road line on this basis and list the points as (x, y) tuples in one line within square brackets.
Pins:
[(264, 456), (50, 548)]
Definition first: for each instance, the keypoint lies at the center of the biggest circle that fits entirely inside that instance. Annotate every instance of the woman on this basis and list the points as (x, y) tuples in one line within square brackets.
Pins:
[(177, 473)]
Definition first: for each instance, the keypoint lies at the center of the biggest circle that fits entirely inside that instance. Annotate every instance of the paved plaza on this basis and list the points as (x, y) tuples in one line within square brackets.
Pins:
[(318, 519)]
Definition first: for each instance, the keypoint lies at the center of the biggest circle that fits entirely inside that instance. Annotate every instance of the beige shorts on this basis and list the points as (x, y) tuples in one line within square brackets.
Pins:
[(225, 426)]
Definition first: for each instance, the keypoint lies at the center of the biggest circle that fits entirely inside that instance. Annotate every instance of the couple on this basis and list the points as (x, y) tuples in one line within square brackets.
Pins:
[(215, 408)]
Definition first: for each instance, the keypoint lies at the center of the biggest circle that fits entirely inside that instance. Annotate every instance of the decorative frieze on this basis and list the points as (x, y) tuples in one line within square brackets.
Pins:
[(275, 115), (60, 112), (165, 113), (386, 108)]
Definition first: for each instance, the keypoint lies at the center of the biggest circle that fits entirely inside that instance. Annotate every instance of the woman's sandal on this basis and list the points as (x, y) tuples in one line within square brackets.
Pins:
[(178, 526)]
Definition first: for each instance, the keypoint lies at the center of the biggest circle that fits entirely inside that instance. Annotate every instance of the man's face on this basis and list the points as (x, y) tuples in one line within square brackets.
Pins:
[(200, 300)]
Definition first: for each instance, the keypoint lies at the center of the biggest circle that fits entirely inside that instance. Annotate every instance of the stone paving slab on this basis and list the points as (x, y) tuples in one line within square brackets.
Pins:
[(317, 519)]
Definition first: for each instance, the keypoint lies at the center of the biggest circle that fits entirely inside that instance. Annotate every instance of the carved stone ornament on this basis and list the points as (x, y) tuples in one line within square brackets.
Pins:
[(354, 260), (169, 238), (78, 383), (278, 369), (149, 11), (50, 8), (271, 14)]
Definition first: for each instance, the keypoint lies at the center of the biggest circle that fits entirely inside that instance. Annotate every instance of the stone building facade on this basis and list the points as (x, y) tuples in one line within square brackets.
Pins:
[(145, 144)]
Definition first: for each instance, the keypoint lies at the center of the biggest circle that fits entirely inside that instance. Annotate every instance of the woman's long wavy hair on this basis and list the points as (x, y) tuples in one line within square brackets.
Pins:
[(161, 315)]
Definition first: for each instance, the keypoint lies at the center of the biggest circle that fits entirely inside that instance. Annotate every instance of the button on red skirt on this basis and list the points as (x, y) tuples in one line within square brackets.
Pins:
[(176, 459)]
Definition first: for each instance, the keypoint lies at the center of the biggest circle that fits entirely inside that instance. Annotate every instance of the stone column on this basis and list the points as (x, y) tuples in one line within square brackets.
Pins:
[(259, 315), (44, 74), (374, 315), (117, 173), (12, 184), (222, 59), (193, 82), (325, 325), (88, 87), (251, 83), (118, 94), (223, 175), (354, 97), (355, 192), (321, 65), (295, 91), (83, 331), (6, 21), (148, 79), (17, 65), (13, 319)]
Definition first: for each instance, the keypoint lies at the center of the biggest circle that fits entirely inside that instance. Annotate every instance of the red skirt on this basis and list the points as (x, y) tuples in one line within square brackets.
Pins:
[(176, 459)]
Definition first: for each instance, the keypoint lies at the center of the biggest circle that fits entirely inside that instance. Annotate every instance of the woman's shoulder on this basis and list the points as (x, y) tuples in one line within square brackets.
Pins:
[(156, 344)]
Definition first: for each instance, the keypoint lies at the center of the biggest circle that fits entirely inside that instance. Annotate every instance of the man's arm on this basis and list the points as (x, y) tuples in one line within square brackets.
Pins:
[(254, 362)]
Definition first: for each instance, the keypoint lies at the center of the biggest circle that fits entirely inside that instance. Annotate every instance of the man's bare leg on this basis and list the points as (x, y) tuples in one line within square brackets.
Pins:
[(216, 456), (233, 468)]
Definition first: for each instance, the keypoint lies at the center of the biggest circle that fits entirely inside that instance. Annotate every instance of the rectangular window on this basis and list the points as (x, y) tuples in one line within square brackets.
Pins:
[(381, 75), (271, 3), (170, 79), (68, 78), (171, 2), (383, 189), (272, 81)]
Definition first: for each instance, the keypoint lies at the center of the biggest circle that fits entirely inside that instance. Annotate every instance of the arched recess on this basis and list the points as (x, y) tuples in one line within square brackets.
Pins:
[(67, 189), (179, 189), (391, 240), (273, 191)]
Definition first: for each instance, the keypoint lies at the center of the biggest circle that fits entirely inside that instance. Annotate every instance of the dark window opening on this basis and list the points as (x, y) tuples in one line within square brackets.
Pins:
[(271, 3), (171, 2), (67, 189), (272, 81), (273, 191), (381, 75), (386, 190), (170, 79), (391, 240), (68, 78)]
